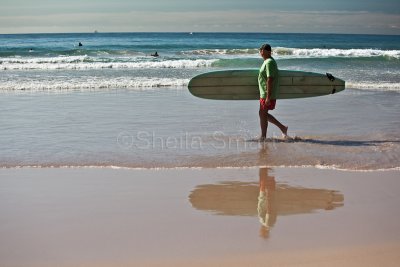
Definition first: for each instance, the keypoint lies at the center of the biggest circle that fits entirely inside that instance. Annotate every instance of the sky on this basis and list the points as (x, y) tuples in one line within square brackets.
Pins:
[(292, 16)]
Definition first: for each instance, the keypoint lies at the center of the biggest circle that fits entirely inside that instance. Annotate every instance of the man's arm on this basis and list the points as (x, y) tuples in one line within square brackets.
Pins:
[(269, 88)]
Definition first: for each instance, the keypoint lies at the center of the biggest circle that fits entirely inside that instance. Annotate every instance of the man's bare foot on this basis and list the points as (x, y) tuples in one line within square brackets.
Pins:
[(262, 139), (284, 131)]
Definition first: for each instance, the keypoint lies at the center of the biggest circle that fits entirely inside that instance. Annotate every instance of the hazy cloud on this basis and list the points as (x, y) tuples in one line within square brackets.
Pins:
[(230, 21)]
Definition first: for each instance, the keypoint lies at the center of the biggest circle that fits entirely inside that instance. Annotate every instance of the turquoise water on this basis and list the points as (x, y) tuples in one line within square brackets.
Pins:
[(121, 60), (108, 103)]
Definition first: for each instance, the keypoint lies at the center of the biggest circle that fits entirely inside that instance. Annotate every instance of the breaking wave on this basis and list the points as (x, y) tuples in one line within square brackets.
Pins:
[(89, 63), (93, 84), (348, 53), (287, 52)]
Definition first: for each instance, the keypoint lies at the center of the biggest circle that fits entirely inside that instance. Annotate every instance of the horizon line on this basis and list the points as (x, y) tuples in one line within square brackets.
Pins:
[(200, 32)]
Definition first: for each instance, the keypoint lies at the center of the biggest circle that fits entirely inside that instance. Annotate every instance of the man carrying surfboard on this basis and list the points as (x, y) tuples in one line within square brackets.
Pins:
[(268, 84)]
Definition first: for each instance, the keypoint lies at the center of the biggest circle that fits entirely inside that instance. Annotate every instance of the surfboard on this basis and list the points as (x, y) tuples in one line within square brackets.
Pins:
[(243, 84)]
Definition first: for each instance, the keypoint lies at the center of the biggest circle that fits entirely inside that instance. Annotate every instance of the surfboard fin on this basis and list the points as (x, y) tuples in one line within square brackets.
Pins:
[(330, 77)]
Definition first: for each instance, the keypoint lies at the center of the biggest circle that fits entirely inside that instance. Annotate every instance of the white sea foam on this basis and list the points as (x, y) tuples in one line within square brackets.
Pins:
[(381, 86), (86, 63), (93, 83), (115, 167), (325, 52), (287, 52)]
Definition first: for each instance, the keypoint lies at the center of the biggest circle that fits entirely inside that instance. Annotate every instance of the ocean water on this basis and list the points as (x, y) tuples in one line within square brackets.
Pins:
[(109, 103)]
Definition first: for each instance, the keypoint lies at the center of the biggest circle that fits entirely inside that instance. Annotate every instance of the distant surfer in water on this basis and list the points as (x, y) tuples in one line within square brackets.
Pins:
[(268, 83), (155, 54), (80, 44)]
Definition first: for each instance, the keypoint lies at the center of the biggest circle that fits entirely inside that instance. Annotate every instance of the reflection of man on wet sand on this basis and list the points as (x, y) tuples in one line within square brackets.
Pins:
[(233, 198), (266, 206)]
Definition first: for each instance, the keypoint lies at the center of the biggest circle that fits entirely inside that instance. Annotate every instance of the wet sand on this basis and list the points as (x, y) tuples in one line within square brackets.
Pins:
[(198, 217)]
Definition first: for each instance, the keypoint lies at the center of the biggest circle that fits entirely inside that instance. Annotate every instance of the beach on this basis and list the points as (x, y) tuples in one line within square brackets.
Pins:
[(106, 159), (197, 217)]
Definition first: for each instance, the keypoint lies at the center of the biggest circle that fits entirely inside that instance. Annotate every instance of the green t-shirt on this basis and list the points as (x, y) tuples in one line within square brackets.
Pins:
[(268, 69)]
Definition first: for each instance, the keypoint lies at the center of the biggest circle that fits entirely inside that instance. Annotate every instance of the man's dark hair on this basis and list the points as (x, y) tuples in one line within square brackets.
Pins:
[(265, 47)]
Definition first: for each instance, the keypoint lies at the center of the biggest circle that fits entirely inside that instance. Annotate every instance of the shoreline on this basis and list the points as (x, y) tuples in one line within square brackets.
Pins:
[(181, 217), (114, 167)]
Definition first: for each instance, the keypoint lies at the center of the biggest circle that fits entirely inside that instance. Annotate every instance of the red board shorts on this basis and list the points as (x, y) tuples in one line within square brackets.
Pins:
[(271, 105)]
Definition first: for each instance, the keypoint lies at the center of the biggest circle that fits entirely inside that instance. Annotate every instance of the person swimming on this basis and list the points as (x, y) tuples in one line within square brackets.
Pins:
[(80, 44), (155, 54)]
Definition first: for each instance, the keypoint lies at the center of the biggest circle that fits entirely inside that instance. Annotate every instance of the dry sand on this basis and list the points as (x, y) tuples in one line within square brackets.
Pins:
[(198, 217)]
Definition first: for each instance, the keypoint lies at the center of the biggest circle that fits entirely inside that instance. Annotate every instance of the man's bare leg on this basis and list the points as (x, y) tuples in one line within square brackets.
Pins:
[(273, 120), (265, 117), (263, 123)]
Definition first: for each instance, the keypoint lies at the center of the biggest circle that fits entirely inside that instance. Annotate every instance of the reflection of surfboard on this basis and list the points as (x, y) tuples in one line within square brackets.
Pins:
[(243, 84), (240, 198)]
